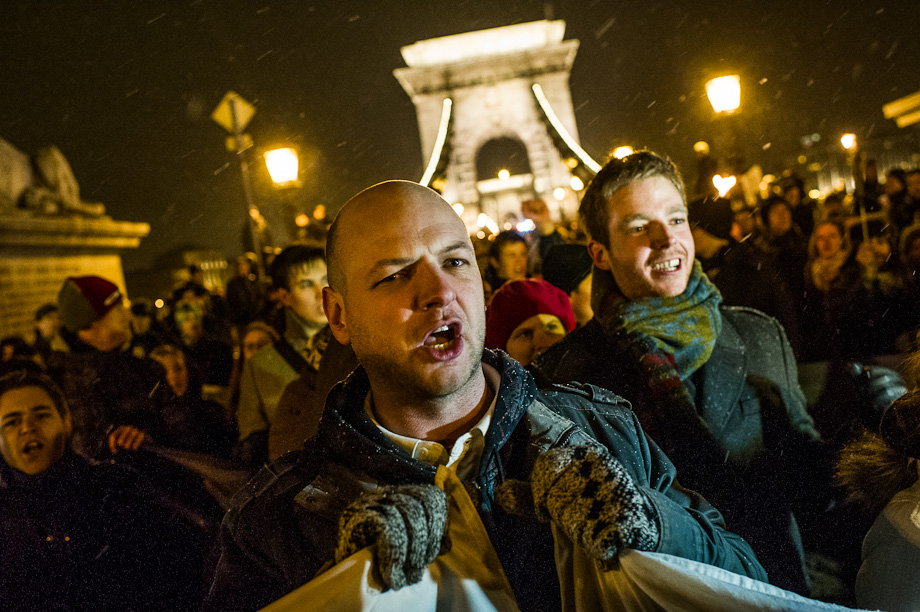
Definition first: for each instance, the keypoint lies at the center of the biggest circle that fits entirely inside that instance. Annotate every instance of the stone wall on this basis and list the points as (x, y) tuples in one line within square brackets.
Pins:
[(38, 253)]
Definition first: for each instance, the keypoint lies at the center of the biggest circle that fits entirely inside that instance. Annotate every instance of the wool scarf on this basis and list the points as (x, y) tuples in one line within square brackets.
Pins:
[(684, 327)]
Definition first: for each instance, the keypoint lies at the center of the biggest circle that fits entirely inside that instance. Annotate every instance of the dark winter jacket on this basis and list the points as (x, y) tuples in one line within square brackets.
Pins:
[(106, 389), (282, 529), (749, 408), (83, 536)]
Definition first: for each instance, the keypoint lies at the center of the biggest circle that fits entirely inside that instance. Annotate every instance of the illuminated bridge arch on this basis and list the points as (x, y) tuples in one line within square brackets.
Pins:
[(510, 82)]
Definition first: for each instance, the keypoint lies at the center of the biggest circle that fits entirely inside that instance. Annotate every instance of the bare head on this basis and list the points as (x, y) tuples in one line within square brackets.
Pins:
[(405, 291)]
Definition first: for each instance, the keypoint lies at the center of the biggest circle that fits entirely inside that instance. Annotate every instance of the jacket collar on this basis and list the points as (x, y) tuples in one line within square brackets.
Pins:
[(347, 435), (297, 330)]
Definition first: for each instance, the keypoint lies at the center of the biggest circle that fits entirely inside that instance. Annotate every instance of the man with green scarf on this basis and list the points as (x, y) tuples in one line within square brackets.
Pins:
[(716, 387)]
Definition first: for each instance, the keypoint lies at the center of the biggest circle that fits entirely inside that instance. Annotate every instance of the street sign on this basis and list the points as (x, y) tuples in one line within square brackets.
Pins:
[(223, 114), (905, 111)]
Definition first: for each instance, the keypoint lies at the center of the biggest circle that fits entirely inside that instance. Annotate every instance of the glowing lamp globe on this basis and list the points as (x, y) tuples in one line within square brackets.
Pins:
[(282, 165), (724, 93)]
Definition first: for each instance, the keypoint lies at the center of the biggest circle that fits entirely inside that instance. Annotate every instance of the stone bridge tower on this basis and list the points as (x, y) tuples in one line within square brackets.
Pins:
[(498, 99)]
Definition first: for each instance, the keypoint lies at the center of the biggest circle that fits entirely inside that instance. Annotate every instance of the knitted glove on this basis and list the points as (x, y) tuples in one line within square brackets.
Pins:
[(408, 523), (591, 497)]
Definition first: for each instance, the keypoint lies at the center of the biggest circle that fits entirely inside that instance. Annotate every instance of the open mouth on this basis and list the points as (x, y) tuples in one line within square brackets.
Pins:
[(443, 338), (669, 265), (31, 447)]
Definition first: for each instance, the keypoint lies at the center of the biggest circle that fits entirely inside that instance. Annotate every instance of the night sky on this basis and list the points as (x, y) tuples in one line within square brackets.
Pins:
[(125, 88)]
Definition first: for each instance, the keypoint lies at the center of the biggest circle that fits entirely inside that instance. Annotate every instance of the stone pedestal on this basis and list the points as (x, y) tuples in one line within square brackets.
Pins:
[(37, 253)]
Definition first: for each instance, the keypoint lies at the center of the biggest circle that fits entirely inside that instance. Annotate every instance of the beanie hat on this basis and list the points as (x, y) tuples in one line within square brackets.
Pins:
[(83, 300), (713, 216), (517, 301), (566, 265)]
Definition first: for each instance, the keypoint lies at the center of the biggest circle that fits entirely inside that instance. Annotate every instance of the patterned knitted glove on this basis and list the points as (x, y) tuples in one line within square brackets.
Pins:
[(589, 494), (408, 523)]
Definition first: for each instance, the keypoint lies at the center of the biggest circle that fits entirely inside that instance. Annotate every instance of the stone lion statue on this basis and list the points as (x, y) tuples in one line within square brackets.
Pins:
[(43, 184)]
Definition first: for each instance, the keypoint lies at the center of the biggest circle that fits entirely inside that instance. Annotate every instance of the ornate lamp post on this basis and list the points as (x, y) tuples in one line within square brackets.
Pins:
[(724, 95)]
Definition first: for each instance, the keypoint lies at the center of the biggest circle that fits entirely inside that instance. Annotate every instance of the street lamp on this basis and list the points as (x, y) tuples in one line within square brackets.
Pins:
[(283, 168), (724, 93), (723, 184), (848, 141)]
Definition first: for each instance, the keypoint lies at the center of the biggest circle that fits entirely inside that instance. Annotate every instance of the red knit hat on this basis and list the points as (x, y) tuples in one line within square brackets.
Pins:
[(517, 301), (84, 300)]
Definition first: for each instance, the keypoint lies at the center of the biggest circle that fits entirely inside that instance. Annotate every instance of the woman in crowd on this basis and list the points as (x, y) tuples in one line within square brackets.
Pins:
[(526, 317), (193, 422), (850, 295), (256, 336), (783, 242)]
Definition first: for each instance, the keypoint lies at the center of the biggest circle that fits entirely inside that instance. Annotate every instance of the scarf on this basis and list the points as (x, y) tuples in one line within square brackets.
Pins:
[(666, 340), (684, 327)]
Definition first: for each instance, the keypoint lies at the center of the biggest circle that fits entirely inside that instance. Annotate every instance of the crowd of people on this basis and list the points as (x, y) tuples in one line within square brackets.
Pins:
[(632, 380)]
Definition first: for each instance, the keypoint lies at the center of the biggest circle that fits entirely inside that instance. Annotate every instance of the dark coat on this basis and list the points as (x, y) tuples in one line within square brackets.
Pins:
[(83, 536), (749, 410), (281, 530), (105, 389)]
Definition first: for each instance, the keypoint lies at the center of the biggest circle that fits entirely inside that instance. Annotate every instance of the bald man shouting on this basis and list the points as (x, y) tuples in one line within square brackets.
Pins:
[(406, 294)]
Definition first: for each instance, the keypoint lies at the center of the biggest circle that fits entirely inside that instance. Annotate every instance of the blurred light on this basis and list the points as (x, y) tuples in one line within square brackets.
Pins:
[(802, 159), (504, 175), (814, 194), (571, 163), (484, 220), (577, 184), (159, 303), (480, 234), (724, 93), (319, 213), (574, 147), (507, 226), (723, 184), (302, 220), (282, 165), (559, 193), (254, 213), (848, 141), (621, 152), (701, 147), (458, 208), (527, 225), (438, 143)]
